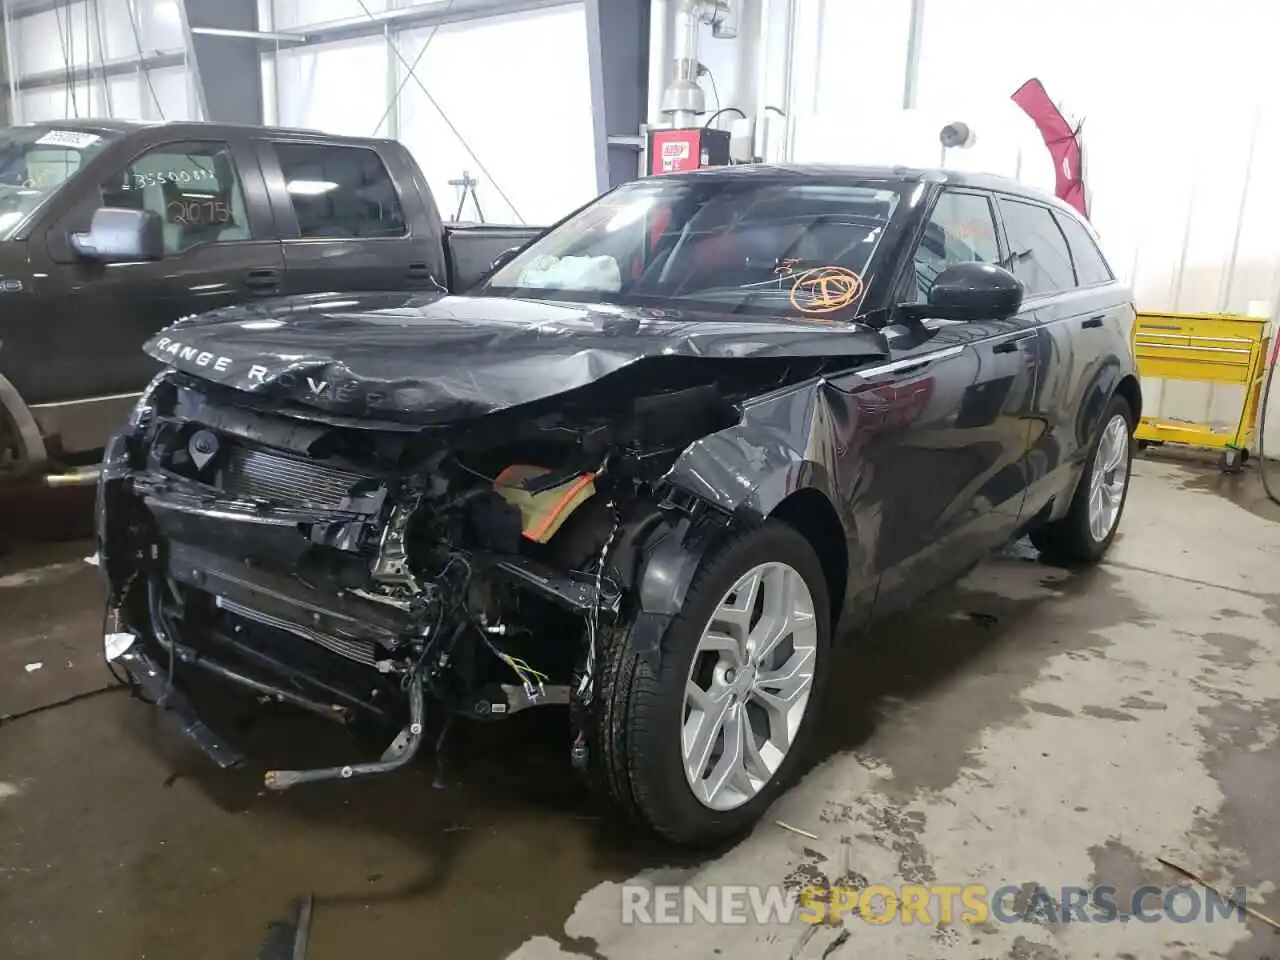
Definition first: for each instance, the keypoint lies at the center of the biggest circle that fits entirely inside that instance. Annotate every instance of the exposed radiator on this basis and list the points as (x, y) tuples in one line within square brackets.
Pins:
[(286, 480), (361, 651)]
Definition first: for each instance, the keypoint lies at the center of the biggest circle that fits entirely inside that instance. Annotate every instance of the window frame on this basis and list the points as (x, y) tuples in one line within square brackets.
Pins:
[(236, 157), (1007, 256), (1060, 215), (282, 203), (906, 284)]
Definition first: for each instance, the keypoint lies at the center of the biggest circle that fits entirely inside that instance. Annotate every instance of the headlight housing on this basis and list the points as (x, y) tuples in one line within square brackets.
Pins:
[(145, 408)]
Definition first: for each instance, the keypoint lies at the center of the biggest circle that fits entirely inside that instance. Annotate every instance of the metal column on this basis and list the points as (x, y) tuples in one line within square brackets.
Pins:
[(6, 87), (618, 47), (225, 62), (915, 38)]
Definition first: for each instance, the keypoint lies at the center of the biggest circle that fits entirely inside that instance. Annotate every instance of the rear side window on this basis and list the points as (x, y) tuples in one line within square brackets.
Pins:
[(961, 229), (340, 192), (1091, 267), (1038, 250)]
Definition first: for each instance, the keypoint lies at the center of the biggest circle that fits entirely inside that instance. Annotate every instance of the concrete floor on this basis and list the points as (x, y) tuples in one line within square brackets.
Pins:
[(1029, 726)]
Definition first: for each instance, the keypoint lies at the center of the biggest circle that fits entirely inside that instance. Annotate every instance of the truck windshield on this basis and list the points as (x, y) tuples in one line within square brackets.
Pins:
[(35, 161), (734, 244)]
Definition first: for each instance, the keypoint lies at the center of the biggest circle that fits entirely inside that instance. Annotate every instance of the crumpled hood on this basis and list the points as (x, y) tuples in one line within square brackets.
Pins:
[(432, 358)]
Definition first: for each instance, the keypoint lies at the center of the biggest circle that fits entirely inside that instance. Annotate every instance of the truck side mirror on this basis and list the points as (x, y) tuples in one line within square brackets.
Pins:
[(117, 235), (505, 257)]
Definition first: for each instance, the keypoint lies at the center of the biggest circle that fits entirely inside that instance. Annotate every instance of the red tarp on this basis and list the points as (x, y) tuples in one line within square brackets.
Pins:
[(1062, 140)]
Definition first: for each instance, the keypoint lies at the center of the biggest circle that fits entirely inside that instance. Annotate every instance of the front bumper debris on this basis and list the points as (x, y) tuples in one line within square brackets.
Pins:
[(152, 682)]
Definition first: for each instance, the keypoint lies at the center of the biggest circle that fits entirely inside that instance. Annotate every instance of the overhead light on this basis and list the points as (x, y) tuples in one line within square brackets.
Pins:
[(311, 188)]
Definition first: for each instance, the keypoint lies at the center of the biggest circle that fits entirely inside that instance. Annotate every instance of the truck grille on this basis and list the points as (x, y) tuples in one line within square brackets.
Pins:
[(258, 474)]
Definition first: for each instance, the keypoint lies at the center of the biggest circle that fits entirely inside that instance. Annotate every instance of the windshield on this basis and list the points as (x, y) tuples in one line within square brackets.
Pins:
[(35, 161), (735, 244)]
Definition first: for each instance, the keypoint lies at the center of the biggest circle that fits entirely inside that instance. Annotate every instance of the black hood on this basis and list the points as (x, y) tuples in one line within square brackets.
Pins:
[(432, 359)]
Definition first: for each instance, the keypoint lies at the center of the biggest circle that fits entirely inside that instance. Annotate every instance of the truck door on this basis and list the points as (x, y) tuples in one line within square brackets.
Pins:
[(349, 223), (944, 458), (220, 249)]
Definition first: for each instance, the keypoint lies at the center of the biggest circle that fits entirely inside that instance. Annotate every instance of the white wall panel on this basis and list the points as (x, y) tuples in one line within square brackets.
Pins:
[(118, 38), (517, 90), (126, 97), (160, 24), (48, 41), (303, 13), (172, 98), (57, 103), (862, 56), (335, 87)]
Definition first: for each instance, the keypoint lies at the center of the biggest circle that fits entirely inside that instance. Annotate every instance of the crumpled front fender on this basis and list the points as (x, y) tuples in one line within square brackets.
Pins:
[(732, 478)]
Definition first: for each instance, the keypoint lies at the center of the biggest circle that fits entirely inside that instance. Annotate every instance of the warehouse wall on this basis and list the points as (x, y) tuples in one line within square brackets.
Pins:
[(506, 100), (92, 40)]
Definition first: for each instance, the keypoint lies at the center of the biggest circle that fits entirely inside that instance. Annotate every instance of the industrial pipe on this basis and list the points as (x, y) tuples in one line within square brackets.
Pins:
[(659, 30), (683, 99)]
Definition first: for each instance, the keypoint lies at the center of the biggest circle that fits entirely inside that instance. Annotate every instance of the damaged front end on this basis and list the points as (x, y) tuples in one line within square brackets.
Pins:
[(364, 569)]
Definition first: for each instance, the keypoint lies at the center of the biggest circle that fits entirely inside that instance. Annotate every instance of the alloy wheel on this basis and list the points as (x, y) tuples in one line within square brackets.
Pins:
[(749, 686), (1109, 478)]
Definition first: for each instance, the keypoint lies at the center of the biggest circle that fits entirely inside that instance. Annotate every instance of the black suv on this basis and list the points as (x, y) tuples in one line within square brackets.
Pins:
[(644, 471)]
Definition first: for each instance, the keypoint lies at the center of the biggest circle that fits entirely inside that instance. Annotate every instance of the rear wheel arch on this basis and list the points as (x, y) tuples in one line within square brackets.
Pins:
[(1131, 390)]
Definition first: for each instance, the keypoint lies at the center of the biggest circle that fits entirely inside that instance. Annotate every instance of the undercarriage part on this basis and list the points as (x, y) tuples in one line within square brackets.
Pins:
[(152, 683), (400, 752), (578, 593), (497, 700), (182, 653)]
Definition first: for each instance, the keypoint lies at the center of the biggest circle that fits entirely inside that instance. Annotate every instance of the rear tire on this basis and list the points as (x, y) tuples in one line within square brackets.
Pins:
[(11, 452), (644, 735), (1091, 522)]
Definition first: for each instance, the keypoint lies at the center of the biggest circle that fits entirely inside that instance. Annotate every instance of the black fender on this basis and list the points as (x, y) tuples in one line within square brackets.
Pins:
[(669, 561), (728, 480), (34, 454)]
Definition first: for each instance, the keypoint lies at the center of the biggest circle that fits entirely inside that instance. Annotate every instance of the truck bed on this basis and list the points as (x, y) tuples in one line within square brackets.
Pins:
[(470, 249)]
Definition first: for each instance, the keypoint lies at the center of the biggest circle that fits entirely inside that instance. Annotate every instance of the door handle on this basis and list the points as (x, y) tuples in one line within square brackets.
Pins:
[(418, 271), (1013, 343), (1094, 321), (264, 280)]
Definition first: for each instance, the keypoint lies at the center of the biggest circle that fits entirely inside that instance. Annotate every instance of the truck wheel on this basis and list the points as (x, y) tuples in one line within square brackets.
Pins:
[(1085, 533), (12, 454), (698, 748)]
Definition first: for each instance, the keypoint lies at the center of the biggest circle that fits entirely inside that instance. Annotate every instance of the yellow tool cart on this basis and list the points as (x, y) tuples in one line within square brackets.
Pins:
[(1208, 348)]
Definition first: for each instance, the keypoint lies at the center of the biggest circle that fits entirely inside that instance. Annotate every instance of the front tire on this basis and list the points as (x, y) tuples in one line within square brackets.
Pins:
[(1091, 522), (698, 748)]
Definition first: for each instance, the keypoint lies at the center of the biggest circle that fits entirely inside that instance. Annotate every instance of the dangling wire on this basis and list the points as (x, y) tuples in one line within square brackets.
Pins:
[(137, 42)]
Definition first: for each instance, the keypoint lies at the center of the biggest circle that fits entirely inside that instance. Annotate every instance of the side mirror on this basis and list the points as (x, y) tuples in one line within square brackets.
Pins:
[(117, 235), (969, 292), (505, 257)]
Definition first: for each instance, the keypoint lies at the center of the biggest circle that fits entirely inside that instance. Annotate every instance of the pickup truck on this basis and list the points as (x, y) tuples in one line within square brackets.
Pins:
[(110, 230)]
